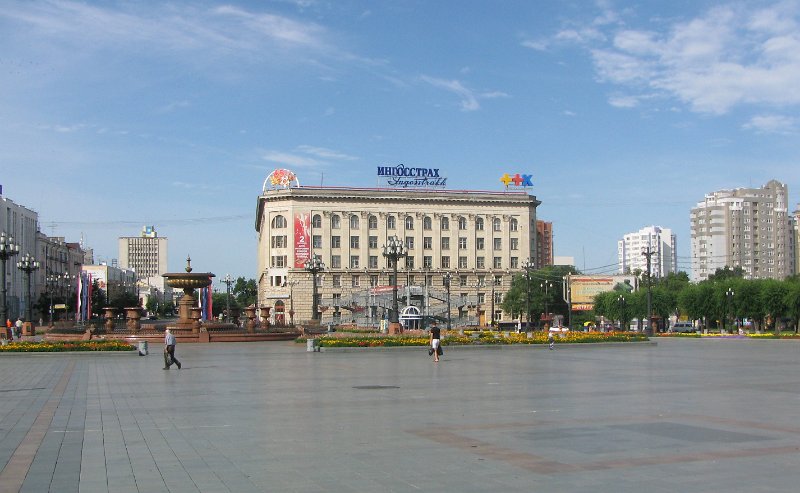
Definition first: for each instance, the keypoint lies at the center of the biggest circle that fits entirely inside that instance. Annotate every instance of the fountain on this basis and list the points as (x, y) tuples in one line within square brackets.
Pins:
[(188, 281)]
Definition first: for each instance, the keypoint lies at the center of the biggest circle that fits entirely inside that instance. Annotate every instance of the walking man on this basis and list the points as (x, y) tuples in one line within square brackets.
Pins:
[(169, 350), (18, 329)]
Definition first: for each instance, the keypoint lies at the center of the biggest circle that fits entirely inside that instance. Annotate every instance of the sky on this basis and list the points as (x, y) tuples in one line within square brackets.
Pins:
[(115, 115)]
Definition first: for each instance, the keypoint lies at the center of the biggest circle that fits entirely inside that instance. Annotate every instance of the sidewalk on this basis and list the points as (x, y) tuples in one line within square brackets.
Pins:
[(685, 415)]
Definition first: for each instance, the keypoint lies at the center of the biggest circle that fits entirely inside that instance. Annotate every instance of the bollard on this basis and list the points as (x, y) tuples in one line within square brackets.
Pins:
[(142, 348), (311, 345)]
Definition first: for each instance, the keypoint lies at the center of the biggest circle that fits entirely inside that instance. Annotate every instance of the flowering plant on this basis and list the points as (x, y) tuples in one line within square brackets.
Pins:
[(57, 347)]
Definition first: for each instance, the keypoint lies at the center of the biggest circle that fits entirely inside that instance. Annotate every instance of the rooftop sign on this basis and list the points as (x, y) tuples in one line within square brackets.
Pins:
[(401, 176), (517, 180), (280, 179)]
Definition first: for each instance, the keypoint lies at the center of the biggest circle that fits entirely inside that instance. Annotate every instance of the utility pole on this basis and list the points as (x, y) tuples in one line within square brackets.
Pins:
[(648, 254)]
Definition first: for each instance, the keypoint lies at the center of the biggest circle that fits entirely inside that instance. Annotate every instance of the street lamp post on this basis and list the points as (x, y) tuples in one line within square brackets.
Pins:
[(621, 301), (446, 280), (527, 264), (28, 265), (729, 295), (546, 285), (7, 250), (228, 280), (648, 254), (52, 282), (314, 265), (394, 250), (291, 285)]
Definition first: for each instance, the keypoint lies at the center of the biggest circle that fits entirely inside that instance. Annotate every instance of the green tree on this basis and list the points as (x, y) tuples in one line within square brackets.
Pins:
[(773, 297), (98, 298), (245, 291), (792, 301)]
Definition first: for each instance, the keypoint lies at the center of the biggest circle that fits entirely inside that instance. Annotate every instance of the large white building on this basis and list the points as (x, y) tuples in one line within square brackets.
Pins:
[(658, 241), (749, 228), (146, 253), (479, 238), (22, 224)]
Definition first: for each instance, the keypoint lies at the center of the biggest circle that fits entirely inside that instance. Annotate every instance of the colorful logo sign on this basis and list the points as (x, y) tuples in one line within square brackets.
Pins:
[(517, 180), (401, 176), (279, 179)]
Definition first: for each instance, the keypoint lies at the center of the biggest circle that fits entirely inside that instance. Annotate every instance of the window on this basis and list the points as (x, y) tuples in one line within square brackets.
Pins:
[(373, 261), (462, 262), (497, 243), (372, 222), (462, 223), (445, 224), (278, 261), (316, 241), (373, 242), (445, 243), (496, 224), (515, 262), (373, 280), (479, 243), (462, 280), (462, 243), (278, 222), (410, 262), (515, 243), (498, 263), (409, 222), (480, 263), (427, 224), (479, 224), (498, 280), (410, 242), (336, 221), (337, 299), (336, 262), (316, 221), (337, 280), (498, 298), (354, 242), (481, 281), (481, 298), (427, 242), (355, 281), (354, 223), (279, 241), (445, 262), (354, 261), (513, 225), (391, 222), (336, 242), (427, 261)]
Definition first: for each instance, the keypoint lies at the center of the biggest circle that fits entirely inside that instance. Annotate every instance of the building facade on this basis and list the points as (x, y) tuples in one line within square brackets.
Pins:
[(22, 224), (544, 243), (479, 238), (146, 253), (661, 242), (749, 228)]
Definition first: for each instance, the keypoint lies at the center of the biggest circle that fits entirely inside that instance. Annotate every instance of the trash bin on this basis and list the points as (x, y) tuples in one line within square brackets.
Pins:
[(142, 348), (311, 345)]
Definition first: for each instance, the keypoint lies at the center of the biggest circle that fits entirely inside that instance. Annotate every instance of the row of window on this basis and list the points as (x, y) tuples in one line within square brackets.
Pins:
[(281, 261), (280, 222)]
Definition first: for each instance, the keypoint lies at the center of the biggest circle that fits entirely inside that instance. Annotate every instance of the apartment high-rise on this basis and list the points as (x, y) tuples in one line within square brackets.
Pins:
[(660, 241), (146, 254), (544, 243), (749, 228)]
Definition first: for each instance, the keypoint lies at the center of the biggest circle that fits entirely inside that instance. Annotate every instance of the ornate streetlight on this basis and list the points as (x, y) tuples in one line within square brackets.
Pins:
[(446, 280), (52, 282), (291, 285), (394, 250), (314, 265), (228, 280), (527, 264), (28, 265), (7, 250), (729, 295)]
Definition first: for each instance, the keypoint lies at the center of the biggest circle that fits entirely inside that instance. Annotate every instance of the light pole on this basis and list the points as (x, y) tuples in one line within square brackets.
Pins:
[(546, 285), (394, 250), (52, 282), (621, 301), (446, 280), (527, 264), (314, 265), (7, 250), (493, 284), (729, 295), (228, 280), (648, 254), (28, 265), (291, 285)]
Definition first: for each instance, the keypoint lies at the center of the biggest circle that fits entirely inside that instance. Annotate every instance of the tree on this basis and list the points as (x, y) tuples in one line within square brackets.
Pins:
[(727, 273), (792, 300), (245, 291), (773, 297), (98, 298)]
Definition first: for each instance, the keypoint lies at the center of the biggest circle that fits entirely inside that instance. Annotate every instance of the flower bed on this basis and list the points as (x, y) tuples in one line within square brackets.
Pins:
[(58, 347), (418, 338)]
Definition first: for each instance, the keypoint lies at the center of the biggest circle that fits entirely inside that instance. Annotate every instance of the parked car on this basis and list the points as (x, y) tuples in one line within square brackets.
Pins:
[(682, 327)]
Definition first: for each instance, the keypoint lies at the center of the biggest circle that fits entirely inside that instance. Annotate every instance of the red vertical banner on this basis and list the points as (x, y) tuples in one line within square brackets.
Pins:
[(302, 238)]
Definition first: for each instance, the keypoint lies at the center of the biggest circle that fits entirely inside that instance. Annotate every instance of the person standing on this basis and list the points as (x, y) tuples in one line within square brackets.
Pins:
[(18, 328), (169, 350), (435, 341)]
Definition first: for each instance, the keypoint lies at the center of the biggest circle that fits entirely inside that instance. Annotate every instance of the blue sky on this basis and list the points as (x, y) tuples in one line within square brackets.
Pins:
[(120, 114)]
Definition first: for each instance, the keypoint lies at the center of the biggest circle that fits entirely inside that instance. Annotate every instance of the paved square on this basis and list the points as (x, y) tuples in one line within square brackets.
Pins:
[(685, 415)]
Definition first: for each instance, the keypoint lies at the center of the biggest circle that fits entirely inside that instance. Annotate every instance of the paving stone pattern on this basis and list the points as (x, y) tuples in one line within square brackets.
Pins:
[(680, 416)]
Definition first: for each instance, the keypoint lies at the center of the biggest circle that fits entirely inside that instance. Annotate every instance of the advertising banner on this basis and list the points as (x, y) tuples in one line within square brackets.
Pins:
[(302, 239), (584, 288)]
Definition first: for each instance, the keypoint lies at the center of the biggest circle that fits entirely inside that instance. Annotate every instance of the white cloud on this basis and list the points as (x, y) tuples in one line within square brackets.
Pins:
[(324, 153), (730, 56), (623, 101), (469, 101), (778, 124), (288, 159), (306, 156)]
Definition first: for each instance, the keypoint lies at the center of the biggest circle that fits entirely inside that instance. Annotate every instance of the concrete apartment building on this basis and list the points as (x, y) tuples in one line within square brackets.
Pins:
[(480, 238), (544, 243), (146, 253), (749, 228), (660, 241)]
